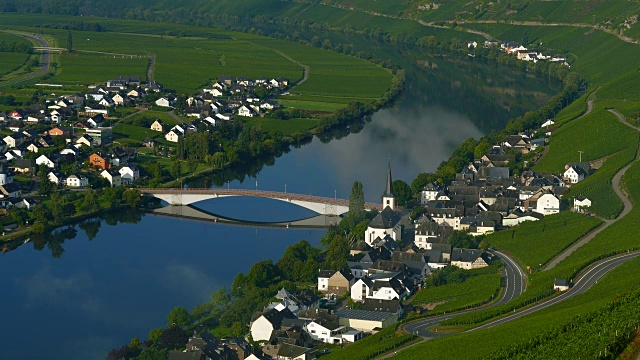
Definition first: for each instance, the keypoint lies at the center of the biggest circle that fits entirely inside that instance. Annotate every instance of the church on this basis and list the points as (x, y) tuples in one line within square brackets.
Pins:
[(385, 227)]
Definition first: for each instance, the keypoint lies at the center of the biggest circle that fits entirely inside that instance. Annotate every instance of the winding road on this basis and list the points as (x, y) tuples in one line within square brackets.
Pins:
[(45, 61), (514, 280), (615, 183), (583, 283)]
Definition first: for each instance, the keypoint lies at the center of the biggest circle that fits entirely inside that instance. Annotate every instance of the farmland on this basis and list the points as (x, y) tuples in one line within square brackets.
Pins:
[(536, 242), (598, 134), (11, 61), (187, 64), (474, 290)]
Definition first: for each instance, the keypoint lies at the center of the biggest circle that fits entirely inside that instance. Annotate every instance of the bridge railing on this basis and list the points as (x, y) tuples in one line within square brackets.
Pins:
[(256, 193)]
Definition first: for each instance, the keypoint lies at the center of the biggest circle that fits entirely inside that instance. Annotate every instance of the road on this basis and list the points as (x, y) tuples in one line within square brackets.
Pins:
[(45, 61), (514, 280), (582, 284), (615, 183)]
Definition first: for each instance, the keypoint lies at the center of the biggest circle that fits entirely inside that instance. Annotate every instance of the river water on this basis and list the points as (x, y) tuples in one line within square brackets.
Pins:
[(94, 286)]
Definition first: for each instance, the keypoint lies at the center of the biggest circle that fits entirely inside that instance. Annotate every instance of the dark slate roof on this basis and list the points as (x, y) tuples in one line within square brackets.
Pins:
[(325, 273), (291, 351), (189, 355), (387, 306), (364, 315), (465, 255), (388, 191), (328, 321), (275, 317), (386, 219), (561, 282), (289, 323)]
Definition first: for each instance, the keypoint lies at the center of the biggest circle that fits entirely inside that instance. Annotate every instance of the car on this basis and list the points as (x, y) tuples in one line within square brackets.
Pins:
[(325, 351)]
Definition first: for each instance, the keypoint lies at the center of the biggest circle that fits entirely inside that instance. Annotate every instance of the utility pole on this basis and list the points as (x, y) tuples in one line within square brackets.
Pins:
[(580, 151)]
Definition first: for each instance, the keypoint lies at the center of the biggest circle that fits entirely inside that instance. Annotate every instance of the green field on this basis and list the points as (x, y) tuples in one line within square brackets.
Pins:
[(187, 64), (534, 243), (11, 61), (85, 69), (619, 281), (598, 134), (372, 346), (133, 132), (473, 291), (286, 127)]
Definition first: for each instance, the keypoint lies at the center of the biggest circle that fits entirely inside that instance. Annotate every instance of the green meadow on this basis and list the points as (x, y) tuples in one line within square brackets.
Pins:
[(11, 61), (189, 63)]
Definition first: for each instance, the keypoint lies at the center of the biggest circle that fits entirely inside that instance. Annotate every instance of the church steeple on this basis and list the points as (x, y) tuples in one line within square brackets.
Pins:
[(387, 198)]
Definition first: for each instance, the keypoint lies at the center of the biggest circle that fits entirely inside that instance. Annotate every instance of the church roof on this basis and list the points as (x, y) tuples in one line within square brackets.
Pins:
[(386, 219), (388, 192)]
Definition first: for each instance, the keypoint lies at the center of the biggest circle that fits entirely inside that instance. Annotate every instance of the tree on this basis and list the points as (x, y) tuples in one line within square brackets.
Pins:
[(402, 192), (237, 329), (176, 168), (262, 274), (38, 227), (356, 203), (132, 197), (155, 334), (174, 337), (69, 41), (337, 253), (178, 316), (90, 202)]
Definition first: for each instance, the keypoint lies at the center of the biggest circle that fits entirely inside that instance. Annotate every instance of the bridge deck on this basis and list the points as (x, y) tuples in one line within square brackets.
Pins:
[(255, 193)]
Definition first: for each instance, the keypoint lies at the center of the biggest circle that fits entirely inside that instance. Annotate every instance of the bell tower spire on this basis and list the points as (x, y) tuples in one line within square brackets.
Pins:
[(387, 198)]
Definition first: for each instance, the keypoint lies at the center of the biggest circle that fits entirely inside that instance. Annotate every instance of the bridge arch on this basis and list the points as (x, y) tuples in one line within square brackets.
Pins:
[(317, 204)]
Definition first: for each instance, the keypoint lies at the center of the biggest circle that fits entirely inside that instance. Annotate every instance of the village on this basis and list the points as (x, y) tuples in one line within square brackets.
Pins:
[(382, 274), (70, 139), (74, 148)]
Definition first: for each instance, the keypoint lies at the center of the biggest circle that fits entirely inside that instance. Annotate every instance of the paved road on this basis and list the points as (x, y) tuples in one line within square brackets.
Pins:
[(45, 62), (514, 280), (615, 183), (582, 284)]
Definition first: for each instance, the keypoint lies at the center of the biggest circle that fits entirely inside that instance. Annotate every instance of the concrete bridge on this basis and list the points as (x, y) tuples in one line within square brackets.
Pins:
[(192, 213), (318, 204)]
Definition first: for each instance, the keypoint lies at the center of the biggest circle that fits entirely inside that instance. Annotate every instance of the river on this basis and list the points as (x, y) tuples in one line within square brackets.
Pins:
[(117, 277)]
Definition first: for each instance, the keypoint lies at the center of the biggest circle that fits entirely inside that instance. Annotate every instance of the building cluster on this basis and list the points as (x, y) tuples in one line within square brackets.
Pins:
[(228, 97), (291, 327), (207, 347), (521, 52)]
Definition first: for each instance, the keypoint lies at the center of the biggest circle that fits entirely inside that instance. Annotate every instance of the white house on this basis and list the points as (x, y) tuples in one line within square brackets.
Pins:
[(157, 126), (469, 258), (112, 176), (246, 111), (76, 181), (326, 329), (429, 193), (44, 160), (173, 135), (561, 285), (262, 328), (70, 150), (165, 102), (5, 176), (362, 289), (574, 174), (548, 204), (14, 140), (119, 99), (547, 123), (210, 121), (129, 174), (54, 178), (33, 148), (85, 140), (13, 154), (580, 203)]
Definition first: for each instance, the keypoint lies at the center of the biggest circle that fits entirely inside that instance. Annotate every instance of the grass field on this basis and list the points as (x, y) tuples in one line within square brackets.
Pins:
[(85, 69), (598, 135), (475, 290), (11, 61), (486, 341), (286, 127), (136, 133), (187, 64), (369, 347), (599, 57), (534, 243)]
